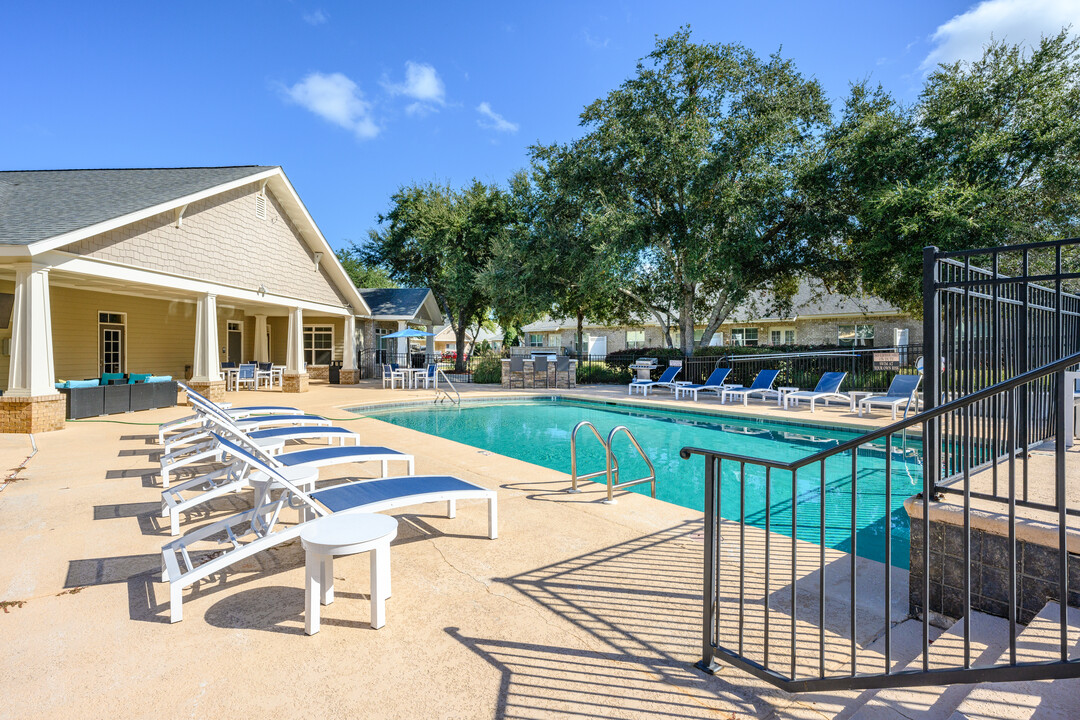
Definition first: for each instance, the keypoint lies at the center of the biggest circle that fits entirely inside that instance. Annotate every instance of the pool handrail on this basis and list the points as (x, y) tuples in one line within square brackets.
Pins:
[(611, 463)]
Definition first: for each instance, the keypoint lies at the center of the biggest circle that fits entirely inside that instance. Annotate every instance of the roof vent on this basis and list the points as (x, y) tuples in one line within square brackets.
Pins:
[(260, 206)]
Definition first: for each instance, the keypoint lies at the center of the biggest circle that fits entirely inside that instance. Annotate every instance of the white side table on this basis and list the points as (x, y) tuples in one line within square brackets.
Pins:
[(346, 534), (783, 394), (857, 395)]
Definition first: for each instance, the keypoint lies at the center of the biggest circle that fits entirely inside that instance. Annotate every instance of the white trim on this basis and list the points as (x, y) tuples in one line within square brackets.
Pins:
[(69, 262), (101, 359)]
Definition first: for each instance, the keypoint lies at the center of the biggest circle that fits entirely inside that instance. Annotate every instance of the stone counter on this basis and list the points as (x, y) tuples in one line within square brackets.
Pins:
[(529, 379)]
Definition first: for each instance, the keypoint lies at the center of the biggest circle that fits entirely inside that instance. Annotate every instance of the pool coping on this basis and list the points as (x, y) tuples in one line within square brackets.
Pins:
[(360, 410)]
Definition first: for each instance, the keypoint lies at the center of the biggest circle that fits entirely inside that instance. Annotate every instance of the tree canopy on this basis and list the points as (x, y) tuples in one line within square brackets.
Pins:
[(360, 273)]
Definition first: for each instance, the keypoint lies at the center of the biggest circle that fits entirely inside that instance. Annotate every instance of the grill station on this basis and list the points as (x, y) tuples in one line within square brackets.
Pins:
[(644, 366)]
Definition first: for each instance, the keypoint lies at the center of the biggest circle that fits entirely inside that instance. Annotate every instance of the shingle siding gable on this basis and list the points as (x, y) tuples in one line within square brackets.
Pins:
[(221, 240)]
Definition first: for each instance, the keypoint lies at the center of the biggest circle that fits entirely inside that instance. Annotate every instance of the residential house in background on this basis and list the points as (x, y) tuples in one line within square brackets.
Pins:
[(815, 317), (394, 309), (168, 271), (446, 340)]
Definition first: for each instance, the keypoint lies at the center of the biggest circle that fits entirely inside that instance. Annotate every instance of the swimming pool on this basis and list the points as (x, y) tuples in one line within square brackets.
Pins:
[(538, 431)]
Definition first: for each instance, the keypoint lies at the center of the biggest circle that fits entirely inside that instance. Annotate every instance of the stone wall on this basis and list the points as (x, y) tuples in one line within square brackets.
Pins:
[(529, 378), (32, 414)]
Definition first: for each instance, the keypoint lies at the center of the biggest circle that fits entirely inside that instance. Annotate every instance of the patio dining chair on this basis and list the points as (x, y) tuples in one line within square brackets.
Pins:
[(246, 376), (517, 367), (431, 377), (540, 369), (264, 372), (562, 365)]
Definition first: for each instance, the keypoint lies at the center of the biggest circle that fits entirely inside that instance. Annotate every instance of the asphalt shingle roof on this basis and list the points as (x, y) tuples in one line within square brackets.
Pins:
[(394, 302), (40, 204)]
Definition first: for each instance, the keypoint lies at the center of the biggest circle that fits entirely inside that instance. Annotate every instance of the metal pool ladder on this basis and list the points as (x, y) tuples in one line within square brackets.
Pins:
[(611, 471)]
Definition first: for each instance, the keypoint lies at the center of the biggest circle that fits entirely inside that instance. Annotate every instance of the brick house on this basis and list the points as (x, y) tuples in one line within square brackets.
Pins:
[(166, 271), (814, 318)]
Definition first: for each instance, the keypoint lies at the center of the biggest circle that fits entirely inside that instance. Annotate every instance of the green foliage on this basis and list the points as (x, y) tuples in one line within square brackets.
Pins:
[(704, 170), (988, 155), (487, 369), (440, 238), (596, 373), (360, 273)]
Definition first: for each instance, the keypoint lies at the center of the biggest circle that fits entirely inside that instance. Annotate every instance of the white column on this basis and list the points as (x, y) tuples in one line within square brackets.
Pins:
[(294, 360), (430, 341), (31, 373), (402, 344), (207, 367), (262, 350), (348, 357)]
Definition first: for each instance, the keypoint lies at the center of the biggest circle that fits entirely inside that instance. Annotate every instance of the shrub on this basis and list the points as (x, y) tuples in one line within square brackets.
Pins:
[(487, 370), (595, 373)]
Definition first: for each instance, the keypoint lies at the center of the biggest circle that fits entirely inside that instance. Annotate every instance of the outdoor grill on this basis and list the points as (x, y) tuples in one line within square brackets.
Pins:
[(644, 366)]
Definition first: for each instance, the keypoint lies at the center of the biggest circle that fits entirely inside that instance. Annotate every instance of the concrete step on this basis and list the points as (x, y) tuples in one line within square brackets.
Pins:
[(989, 637), (1041, 699)]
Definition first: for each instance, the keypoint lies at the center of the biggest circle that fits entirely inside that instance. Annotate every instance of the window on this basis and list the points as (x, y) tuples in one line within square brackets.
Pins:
[(554, 340), (635, 339), (856, 335), (782, 336), (318, 344), (744, 336), (536, 340)]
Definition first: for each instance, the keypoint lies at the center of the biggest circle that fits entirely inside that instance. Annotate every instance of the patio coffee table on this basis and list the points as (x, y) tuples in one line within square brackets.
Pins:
[(783, 393), (346, 534)]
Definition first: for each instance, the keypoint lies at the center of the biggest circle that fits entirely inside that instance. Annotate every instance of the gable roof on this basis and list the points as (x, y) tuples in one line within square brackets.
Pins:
[(39, 204), (399, 303)]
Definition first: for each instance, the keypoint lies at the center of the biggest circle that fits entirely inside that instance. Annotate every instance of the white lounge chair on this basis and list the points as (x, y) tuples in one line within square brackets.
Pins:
[(260, 528), (189, 421), (667, 379), (902, 391), (828, 388), (714, 383), (762, 385), (300, 466)]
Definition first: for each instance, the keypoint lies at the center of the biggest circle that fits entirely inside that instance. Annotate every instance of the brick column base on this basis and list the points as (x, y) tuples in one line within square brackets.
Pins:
[(32, 414), (350, 377), (294, 383), (214, 390)]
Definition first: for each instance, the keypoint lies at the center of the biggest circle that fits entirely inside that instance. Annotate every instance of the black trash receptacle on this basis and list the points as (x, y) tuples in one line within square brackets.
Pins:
[(334, 376)]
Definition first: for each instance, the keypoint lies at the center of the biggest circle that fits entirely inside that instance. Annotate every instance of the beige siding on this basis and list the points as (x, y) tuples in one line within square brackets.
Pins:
[(160, 334), (221, 240)]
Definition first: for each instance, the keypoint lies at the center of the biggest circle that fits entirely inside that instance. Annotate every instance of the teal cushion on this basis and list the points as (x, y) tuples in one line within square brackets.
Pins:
[(138, 378), (158, 378), (81, 383), (106, 377)]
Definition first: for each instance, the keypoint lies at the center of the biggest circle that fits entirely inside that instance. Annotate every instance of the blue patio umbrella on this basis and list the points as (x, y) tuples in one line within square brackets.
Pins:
[(408, 333)]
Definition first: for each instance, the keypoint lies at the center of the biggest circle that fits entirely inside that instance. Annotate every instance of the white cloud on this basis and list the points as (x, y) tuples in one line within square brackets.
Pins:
[(422, 84), (595, 42), (494, 121), (1014, 21), (316, 18), (336, 98)]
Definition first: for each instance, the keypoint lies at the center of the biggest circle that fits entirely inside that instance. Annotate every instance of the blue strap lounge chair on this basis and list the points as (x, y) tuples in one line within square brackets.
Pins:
[(828, 388), (762, 385), (714, 383), (258, 529), (667, 379), (178, 426), (902, 391)]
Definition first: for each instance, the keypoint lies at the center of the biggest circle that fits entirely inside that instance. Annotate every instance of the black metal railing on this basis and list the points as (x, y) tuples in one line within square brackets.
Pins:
[(776, 653), (983, 325)]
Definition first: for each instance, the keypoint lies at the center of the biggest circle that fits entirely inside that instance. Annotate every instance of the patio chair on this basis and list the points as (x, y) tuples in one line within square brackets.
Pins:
[(246, 376), (828, 388), (902, 391), (177, 426), (714, 383), (540, 368), (762, 385), (227, 365), (517, 367), (259, 528), (431, 377), (667, 380), (300, 465), (264, 372), (391, 374), (562, 365)]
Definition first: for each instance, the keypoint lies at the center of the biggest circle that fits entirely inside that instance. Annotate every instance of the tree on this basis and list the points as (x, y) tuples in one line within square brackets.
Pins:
[(703, 165), (440, 238), (988, 155), (360, 273), (553, 262)]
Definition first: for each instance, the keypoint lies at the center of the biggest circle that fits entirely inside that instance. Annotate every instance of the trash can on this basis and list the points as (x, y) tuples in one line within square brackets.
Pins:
[(335, 372)]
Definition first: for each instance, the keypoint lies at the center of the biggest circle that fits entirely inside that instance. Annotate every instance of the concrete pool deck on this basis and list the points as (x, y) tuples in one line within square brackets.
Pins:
[(579, 609)]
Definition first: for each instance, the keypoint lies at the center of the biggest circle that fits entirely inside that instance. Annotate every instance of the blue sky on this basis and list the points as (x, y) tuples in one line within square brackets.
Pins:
[(356, 99)]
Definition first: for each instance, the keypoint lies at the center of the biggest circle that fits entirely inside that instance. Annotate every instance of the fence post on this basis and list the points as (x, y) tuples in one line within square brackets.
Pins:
[(931, 372)]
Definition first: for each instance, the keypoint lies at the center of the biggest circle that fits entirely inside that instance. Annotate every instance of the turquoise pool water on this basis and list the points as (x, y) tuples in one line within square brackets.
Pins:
[(539, 432)]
